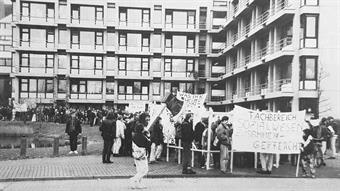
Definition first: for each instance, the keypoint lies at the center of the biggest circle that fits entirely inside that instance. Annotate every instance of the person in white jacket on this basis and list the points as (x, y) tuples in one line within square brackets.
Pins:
[(120, 128)]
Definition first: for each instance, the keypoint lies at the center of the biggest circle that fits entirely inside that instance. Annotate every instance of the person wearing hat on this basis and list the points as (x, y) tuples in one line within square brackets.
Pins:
[(223, 133)]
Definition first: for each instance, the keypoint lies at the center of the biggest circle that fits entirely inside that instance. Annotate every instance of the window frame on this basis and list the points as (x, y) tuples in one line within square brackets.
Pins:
[(303, 66), (99, 35), (304, 27), (98, 10), (75, 33)]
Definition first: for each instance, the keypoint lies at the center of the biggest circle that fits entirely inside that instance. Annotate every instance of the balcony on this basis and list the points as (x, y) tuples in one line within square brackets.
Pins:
[(128, 25), (86, 73), (86, 98), (32, 20), (87, 23), (218, 23), (173, 27), (132, 50), (5, 65), (170, 51), (40, 97), (133, 74), (36, 71), (217, 47), (86, 48), (278, 88), (217, 71), (35, 46), (142, 97), (178, 76)]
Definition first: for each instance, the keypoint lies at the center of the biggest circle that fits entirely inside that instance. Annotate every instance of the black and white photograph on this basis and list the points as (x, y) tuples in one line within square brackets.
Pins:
[(197, 95)]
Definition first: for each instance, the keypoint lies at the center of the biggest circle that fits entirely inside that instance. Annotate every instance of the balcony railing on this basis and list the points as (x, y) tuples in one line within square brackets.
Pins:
[(36, 19), (87, 46), (180, 26), (133, 73), (85, 72), (36, 44), (134, 24), (87, 21), (133, 97), (36, 69), (282, 85), (179, 50), (179, 74), (217, 47)]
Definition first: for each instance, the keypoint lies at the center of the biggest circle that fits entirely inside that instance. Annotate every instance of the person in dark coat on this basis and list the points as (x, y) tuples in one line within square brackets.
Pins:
[(199, 129), (187, 138), (156, 141), (73, 129), (108, 129)]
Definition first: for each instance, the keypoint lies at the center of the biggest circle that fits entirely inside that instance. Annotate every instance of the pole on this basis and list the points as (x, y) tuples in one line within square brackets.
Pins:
[(179, 151), (209, 140), (167, 152), (192, 157), (297, 166), (232, 160), (255, 160)]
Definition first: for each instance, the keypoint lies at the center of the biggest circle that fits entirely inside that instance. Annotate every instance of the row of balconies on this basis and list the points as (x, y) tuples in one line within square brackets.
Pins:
[(282, 86)]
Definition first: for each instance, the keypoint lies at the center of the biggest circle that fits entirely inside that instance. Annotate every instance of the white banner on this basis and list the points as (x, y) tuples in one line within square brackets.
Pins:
[(267, 132), (20, 107), (192, 103)]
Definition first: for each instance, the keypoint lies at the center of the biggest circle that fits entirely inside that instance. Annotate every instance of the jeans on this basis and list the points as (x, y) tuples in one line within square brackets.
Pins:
[(224, 158), (266, 161), (142, 170), (156, 151), (186, 155), (108, 143), (73, 141)]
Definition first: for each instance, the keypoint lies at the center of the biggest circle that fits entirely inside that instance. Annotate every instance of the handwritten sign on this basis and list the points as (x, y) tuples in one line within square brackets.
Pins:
[(267, 132)]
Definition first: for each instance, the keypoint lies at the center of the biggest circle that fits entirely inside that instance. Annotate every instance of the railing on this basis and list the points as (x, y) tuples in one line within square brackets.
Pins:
[(179, 50), (36, 19), (180, 26), (280, 6), (134, 24), (36, 69), (244, 61), (217, 98), (133, 97), (87, 21), (179, 74), (216, 75), (36, 44), (91, 72), (218, 48), (202, 49), (133, 73), (5, 61)]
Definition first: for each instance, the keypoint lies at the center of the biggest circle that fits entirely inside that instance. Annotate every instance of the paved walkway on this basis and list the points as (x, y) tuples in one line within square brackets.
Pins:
[(90, 167), (180, 184)]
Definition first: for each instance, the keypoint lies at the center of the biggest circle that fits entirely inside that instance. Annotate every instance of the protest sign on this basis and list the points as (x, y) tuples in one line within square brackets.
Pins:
[(267, 132), (191, 103), (20, 107)]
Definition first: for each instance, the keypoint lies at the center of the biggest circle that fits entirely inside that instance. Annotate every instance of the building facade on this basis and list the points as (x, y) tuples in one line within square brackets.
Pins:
[(5, 59), (260, 54)]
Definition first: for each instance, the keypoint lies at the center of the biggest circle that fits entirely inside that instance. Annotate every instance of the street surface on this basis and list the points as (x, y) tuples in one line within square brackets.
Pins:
[(204, 184)]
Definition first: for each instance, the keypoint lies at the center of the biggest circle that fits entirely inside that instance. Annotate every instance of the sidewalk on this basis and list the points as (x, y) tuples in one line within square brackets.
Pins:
[(90, 167)]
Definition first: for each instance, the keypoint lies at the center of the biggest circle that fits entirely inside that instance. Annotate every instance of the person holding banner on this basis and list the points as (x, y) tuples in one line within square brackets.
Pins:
[(223, 133), (187, 138)]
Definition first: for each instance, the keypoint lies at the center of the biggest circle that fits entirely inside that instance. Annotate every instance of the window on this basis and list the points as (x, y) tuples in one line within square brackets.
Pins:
[(62, 85), (33, 86), (99, 38), (75, 39), (122, 15), (25, 35), (308, 72), (122, 39), (74, 62), (38, 10), (146, 17), (88, 39), (191, 44), (191, 19), (75, 13), (94, 87), (49, 61), (309, 2), (110, 87), (50, 36), (24, 60), (157, 14), (82, 87), (137, 88), (167, 65), (111, 7), (156, 41), (99, 14), (168, 43), (62, 10), (24, 85), (168, 18), (98, 63), (25, 9), (122, 63), (156, 88), (63, 36), (50, 10), (49, 86), (145, 64), (309, 24), (145, 42)]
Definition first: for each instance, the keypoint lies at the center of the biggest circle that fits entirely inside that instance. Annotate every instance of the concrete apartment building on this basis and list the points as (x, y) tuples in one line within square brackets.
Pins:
[(260, 54)]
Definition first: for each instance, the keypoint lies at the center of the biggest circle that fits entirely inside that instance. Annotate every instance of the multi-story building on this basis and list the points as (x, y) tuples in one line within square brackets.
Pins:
[(271, 55), (5, 59), (261, 54)]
